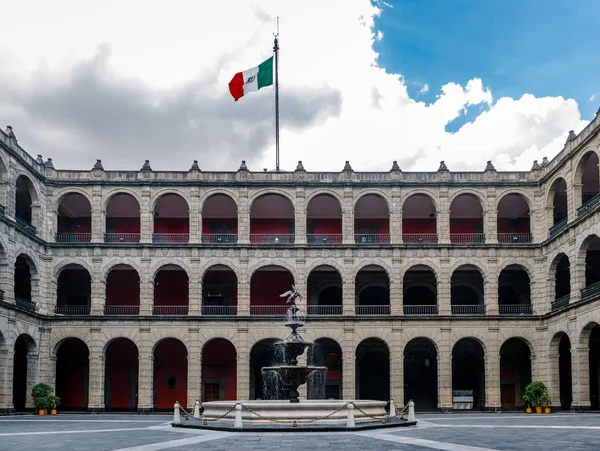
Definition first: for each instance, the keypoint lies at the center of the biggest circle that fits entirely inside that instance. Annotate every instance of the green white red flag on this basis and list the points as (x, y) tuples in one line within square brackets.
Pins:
[(252, 79)]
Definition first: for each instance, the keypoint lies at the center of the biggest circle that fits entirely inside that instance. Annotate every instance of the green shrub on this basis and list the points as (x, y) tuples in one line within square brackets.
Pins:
[(533, 394), (53, 402), (41, 391), (41, 402)]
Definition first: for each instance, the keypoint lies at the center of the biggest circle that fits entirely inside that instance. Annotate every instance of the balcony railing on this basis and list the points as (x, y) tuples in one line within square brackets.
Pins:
[(467, 238), (27, 304), (170, 237), (325, 310), (268, 238), (73, 237), (324, 239), (589, 205), (515, 238), (515, 309), (420, 238), (219, 310), (1, 295), (2, 210), (117, 310), (25, 225), (72, 309), (122, 237), (372, 309), (561, 302), (591, 290), (375, 238), (276, 310), (420, 309), (170, 310), (556, 228), (468, 309), (219, 238)]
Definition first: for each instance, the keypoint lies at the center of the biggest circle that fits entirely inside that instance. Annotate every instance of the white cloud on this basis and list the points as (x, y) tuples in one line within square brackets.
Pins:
[(424, 89), (165, 52)]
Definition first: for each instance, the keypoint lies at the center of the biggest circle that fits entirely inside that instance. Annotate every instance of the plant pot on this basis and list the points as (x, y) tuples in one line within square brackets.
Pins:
[(538, 410), (547, 410), (41, 412), (528, 410), (53, 412)]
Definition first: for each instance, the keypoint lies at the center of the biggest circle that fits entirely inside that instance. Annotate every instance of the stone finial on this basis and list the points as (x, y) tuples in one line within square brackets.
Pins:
[(10, 133), (146, 166), (347, 166), (98, 166), (545, 162), (195, 166), (489, 166), (40, 159), (536, 166), (49, 163), (443, 167), (300, 166), (243, 166), (572, 136), (395, 167)]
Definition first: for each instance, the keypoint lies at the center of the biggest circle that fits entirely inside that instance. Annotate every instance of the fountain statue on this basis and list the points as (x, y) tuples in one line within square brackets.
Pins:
[(293, 345)]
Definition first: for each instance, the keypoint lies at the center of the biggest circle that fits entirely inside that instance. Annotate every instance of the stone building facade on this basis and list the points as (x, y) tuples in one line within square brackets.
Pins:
[(416, 285)]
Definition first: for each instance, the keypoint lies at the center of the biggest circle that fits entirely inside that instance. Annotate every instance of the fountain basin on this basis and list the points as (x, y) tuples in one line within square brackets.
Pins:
[(282, 410), (294, 375)]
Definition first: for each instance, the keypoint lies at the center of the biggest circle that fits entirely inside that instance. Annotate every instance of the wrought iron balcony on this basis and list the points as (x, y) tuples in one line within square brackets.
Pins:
[(26, 304), (420, 309), (219, 310), (122, 237), (25, 225), (324, 310), (515, 309), (561, 302), (419, 238), (276, 310), (591, 290), (73, 237), (269, 238), (372, 309), (468, 309), (219, 238), (72, 309), (170, 310), (374, 238), (324, 239), (589, 205), (118, 310), (467, 238), (515, 238), (170, 237), (560, 225)]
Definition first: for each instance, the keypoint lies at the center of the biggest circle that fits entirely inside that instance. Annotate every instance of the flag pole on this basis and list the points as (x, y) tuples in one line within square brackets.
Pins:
[(276, 53)]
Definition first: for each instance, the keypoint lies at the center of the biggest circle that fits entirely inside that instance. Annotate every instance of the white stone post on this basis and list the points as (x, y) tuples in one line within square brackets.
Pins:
[(176, 413), (392, 409), (197, 409), (350, 420), (411, 411), (238, 417)]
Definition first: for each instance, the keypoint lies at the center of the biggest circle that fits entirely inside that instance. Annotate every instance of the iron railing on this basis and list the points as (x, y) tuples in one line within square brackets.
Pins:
[(419, 238), (122, 237), (170, 310), (468, 309), (374, 238), (515, 309), (73, 237), (72, 309), (26, 304), (170, 237), (372, 309), (556, 228), (590, 290), (25, 225), (272, 238), (2, 210), (324, 239), (561, 302), (589, 205), (1, 295), (467, 238), (219, 238), (219, 310), (420, 309), (277, 310), (515, 238), (121, 310), (325, 310)]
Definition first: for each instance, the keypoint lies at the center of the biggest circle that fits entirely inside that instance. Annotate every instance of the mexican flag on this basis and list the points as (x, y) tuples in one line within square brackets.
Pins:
[(251, 79)]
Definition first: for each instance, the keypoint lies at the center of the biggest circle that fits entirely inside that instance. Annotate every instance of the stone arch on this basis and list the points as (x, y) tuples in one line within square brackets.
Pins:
[(261, 355), (170, 372), (32, 346), (24, 346), (584, 336), (523, 264), (517, 368), (60, 194), (374, 191), (59, 336), (219, 358), (471, 335), (129, 335), (420, 223), (170, 262), (579, 166), (322, 191), (528, 199), (72, 368), (205, 195), (477, 264), (326, 262), (108, 267), (121, 373), (422, 262), (373, 359), (472, 192), (219, 262), (327, 281), (373, 262), (156, 196), (265, 191), (266, 263), (468, 370), (421, 375), (106, 197), (63, 264), (560, 370), (425, 192), (467, 289), (557, 201)]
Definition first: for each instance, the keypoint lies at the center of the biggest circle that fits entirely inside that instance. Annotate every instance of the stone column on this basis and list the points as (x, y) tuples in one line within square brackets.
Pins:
[(396, 217), (33, 361), (96, 372), (195, 216), (348, 295), (145, 401), (243, 294), (580, 364), (577, 277), (146, 288), (300, 217), (443, 225), (348, 346), (492, 371), (574, 192), (243, 362), (98, 294), (7, 281), (397, 366), (194, 347), (6, 371), (396, 289), (444, 287), (243, 217), (98, 215), (553, 375), (445, 370), (146, 217), (348, 216), (195, 288), (491, 223)]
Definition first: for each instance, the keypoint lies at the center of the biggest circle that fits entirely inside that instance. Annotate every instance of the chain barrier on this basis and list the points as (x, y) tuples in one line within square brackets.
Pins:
[(368, 415), (222, 416), (313, 420)]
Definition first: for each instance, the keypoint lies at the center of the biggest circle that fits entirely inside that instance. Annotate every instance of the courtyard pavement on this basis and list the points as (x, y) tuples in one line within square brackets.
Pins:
[(452, 432)]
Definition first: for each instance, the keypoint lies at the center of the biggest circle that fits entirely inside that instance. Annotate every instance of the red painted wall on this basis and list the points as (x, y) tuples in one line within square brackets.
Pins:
[(123, 288), (271, 226), (172, 225), (121, 372), (418, 225), (68, 225), (216, 225), (72, 372), (522, 225), (170, 359), (221, 353), (466, 225), (172, 289), (266, 286), (382, 225), (122, 225), (324, 226)]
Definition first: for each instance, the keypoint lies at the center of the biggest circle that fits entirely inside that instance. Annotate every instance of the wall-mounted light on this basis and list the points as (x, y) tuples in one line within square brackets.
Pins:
[(426, 362)]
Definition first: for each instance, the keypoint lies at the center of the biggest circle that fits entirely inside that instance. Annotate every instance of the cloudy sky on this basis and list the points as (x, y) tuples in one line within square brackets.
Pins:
[(417, 81)]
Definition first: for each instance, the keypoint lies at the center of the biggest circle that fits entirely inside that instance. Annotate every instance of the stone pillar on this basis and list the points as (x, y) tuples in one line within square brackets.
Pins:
[(98, 294), (300, 217), (146, 288), (491, 223), (397, 366), (553, 375), (577, 277), (6, 372), (96, 372), (444, 282), (195, 216), (348, 216), (7, 281), (492, 371), (549, 222), (146, 217), (348, 295), (575, 193), (443, 225), (145, 401), (243, 362), (98, 215), (445, 370), (396, 217), (194, 348), (195, 288), (33, 362), (243, 217), (396, 289), (490, 290), (348, 346), (243, 294), (580, 364)]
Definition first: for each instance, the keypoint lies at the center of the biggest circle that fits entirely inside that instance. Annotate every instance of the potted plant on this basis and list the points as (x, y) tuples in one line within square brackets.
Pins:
[(53, 402), (545, 401), (41, 404), (40, 394), (533, 394), (528, 402)]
